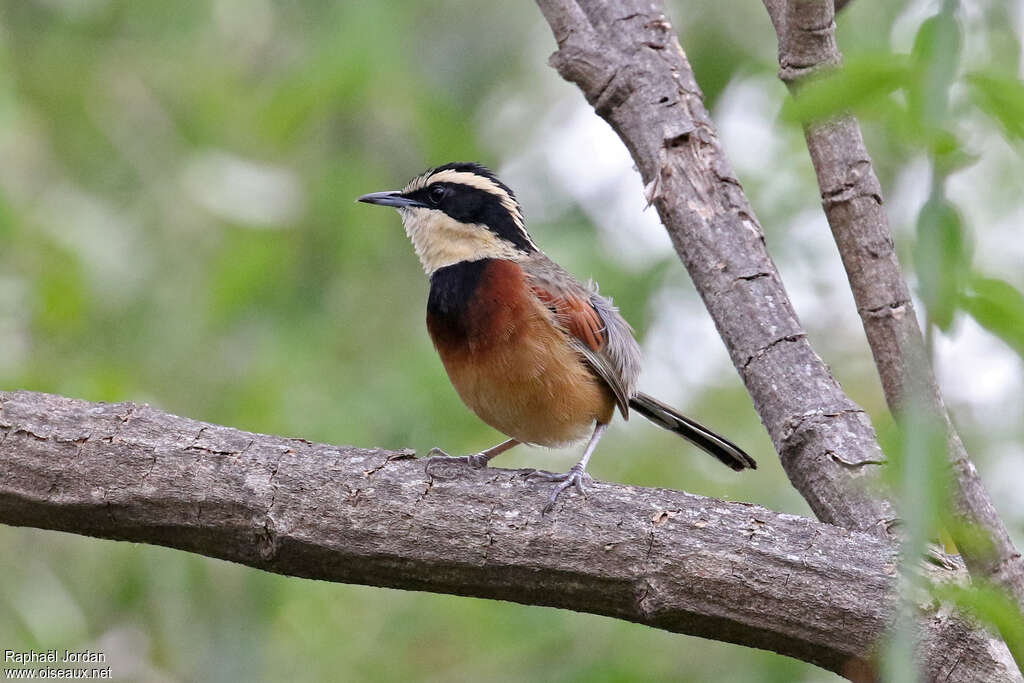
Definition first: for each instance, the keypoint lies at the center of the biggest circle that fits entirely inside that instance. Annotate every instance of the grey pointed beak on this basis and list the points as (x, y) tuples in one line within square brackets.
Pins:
[(392, 198)]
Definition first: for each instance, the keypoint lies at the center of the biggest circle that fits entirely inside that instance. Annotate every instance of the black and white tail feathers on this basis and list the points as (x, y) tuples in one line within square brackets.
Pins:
[(702, 437)]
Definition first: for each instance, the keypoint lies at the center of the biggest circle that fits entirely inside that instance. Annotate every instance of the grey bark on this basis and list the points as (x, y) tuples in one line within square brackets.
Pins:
[(730, 571), (626, 59), (852, 198)]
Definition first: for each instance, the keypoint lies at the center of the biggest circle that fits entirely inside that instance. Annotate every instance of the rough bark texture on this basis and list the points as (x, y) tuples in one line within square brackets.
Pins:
[(852, 198), (729, 571), (626, 59)]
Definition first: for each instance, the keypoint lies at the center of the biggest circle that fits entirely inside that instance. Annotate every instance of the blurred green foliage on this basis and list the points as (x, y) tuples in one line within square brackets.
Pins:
[(919, 473), (1001, 96), (942, 260), (177, 226), (998, 306), (865, 86)]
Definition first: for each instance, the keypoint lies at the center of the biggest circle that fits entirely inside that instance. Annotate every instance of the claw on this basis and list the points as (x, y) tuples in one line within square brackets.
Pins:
[(436, 456)]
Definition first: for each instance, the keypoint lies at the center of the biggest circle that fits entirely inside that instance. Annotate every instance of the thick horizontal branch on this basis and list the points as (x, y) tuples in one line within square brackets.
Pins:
[(852, 199), (671, 560)]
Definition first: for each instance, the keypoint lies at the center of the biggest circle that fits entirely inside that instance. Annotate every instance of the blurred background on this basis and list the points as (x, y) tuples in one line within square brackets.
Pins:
[(178, 227)]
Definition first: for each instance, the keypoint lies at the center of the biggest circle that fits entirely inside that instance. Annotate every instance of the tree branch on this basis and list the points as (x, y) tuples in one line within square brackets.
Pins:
[(626, 59), (671, 560), (852, 199)]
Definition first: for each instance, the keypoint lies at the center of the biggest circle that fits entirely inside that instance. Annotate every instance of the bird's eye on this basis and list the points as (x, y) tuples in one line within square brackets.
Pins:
[(437, 193)]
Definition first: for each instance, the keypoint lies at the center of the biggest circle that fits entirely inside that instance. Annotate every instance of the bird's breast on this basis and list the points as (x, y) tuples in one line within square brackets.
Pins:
[(506, 358)]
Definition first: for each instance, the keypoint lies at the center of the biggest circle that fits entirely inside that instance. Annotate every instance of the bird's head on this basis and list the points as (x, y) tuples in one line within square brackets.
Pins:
[(459, 212)]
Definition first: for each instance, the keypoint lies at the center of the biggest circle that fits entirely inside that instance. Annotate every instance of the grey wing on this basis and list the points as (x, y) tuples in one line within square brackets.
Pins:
[(617, 362), (593, 324)]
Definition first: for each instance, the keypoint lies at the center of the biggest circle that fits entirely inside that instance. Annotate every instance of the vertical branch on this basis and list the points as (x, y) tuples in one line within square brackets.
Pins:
[(626, 59), (852, 200)]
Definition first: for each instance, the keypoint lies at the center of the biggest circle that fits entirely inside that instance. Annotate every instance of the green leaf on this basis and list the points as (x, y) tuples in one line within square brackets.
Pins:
[(936, 51), (858, 84), (998, 307), (1002, 98), (942, 258), (947, 150), (934, 61)]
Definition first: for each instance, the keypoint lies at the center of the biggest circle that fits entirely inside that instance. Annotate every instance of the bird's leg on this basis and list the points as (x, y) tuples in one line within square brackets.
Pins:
[(476, 461), (576, 474)]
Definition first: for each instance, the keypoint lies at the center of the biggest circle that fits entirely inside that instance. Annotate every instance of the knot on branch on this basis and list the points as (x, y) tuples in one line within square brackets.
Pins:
[(858, 180), (605, 84)]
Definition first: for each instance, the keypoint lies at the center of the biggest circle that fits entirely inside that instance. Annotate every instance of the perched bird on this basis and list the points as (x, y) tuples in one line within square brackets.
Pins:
[(532, 351)]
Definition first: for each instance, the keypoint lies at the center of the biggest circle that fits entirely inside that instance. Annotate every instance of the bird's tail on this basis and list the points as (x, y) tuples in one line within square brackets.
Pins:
[(702, 437)]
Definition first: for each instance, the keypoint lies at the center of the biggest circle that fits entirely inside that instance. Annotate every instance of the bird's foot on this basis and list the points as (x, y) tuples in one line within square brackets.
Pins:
[(576, 476), (437, 457)]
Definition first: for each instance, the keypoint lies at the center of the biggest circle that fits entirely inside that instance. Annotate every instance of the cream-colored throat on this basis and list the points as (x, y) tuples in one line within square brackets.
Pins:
[(440, 240)]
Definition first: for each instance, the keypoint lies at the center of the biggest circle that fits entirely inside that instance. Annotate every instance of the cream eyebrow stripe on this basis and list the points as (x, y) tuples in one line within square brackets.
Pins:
[(479, 182)]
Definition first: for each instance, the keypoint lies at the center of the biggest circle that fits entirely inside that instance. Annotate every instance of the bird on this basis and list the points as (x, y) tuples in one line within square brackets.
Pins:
[(536, 354)]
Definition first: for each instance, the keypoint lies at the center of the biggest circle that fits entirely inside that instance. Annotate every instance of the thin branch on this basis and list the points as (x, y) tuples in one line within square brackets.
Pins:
[(683, 563), (852, 199), (626, 59)]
